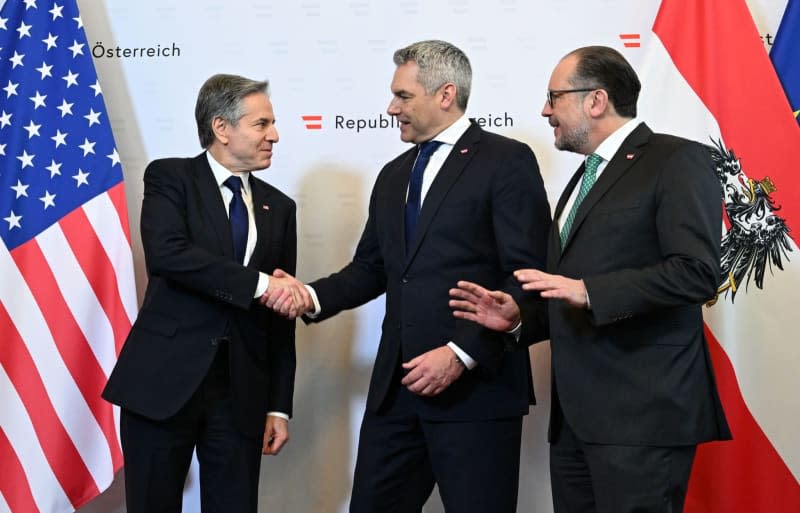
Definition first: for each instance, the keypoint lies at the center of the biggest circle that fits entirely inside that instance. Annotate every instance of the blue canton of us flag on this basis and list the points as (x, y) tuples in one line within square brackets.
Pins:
[(56, 146), (785, 54)]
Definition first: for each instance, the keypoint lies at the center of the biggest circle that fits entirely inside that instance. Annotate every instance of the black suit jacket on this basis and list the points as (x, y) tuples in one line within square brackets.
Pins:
[(485, 215), (635, 369), (197, 294)]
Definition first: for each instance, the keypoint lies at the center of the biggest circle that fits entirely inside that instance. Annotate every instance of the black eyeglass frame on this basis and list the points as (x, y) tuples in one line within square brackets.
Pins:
[(554, 94)]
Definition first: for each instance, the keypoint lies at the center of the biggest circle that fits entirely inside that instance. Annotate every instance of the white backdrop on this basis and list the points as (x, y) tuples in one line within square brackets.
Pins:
[(333, 59)]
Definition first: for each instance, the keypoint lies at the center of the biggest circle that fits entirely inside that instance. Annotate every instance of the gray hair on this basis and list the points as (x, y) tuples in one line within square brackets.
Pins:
[(221, 96), (439, 63)]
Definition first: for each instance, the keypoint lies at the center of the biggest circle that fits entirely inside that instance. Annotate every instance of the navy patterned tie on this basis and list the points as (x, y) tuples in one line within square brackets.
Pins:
[(588, 179), (413, 202), (237, 212)]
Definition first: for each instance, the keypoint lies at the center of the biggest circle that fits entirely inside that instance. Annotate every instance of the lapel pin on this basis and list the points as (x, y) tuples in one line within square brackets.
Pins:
[(265, 207), (464, 150), (629, 156)]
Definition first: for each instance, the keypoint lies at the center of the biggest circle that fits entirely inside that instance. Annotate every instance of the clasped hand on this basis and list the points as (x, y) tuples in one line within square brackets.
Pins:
[(286, 295)]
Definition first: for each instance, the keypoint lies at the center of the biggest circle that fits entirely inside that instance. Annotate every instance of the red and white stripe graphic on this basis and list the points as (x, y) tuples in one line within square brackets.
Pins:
[(707, 75), (65, 296)]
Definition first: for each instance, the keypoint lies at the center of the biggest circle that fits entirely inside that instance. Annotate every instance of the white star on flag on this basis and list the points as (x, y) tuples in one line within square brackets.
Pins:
[(48, 199), (13, 221), (70, 78), (114, 157), (10, 89), (81, 178), (56, 11), (76, 49), (65, 108), (38, 100), (87, 147), (54, 168), (16, 60), (45, 69), (20, 189), (93, 117), (27, 160), (59, 138), (24, 30), (50, 41), (5, 119), (32, 129)]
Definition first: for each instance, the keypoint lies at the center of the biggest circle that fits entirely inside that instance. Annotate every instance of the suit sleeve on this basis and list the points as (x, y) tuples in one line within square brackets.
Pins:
[(520, 220), (170, 249), (688, 222), (281, 348)]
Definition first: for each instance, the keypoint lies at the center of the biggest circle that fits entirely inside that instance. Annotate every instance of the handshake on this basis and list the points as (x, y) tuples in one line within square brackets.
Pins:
[(287, 296)]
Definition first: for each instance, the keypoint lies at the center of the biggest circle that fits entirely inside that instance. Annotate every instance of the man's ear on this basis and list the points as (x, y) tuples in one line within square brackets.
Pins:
[(220, 128), (448, 92), (599, 104)]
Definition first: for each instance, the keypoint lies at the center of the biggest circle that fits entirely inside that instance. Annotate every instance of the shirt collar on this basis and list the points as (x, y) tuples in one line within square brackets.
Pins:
[(609, 147), (221, 173), (453, 133)]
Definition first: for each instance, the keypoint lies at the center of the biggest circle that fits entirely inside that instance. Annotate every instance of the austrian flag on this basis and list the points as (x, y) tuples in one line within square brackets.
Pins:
[(729, 97)]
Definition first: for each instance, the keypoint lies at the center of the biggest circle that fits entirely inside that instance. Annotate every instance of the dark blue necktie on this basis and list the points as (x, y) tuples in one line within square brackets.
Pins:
[(426, 149), (237, 212)]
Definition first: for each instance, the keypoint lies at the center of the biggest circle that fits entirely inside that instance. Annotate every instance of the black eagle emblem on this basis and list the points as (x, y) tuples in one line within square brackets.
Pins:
[(757, 239)]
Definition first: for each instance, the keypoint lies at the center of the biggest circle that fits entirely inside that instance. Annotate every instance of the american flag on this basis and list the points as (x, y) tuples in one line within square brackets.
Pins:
[(67, 295)]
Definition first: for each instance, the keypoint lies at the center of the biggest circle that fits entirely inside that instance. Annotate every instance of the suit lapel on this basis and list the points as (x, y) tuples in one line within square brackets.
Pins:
[(261, 212), (212, 203), (460, 155), (627, 155)]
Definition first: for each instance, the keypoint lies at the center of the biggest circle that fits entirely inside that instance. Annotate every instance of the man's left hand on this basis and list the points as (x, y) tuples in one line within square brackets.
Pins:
[(432, 372), (276, 434)]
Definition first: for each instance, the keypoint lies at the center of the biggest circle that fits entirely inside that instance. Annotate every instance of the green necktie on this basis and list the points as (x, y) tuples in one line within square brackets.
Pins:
[(588, 179)]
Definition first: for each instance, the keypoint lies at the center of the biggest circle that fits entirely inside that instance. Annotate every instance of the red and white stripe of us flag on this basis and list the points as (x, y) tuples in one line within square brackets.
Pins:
[(64, 295)]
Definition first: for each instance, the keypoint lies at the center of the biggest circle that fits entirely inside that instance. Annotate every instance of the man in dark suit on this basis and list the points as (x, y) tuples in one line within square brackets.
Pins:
[(205, 365), (631, 259), (446, 400)]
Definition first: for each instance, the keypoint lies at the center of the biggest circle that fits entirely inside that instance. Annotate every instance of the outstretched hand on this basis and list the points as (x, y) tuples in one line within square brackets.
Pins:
[(493, 309), (554, 286)]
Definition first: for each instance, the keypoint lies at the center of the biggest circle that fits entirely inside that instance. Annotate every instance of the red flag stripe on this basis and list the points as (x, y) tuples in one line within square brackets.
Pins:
[(59, 449), (14, 485), (97, 268), (691, 32), (117, 196), (73, 347), (767, 484)]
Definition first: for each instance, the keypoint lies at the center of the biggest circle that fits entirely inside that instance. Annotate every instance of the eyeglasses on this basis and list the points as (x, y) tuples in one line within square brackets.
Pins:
[(554, 94)]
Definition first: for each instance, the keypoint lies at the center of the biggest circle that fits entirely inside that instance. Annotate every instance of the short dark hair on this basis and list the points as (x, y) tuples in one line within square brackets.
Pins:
[(606, 68), (221, 96)]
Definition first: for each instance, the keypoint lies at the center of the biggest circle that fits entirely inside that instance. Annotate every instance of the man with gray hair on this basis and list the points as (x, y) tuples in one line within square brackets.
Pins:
[(446, 399), (205, 366)]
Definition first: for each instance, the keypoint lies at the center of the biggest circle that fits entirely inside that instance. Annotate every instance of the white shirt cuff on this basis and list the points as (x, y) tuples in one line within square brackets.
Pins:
[(278, 414), (315, 299), (262, 285), (469, 363)]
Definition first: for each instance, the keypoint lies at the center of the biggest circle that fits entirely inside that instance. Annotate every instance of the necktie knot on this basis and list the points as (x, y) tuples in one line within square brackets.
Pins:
[(427, 148), (592, 163), (234, 183)]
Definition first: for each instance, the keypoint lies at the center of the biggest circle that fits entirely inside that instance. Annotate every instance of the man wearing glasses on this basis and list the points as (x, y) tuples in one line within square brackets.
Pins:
[(632, 256)]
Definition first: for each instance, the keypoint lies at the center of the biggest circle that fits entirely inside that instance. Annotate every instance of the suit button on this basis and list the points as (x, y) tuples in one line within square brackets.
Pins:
[(405, 279)]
